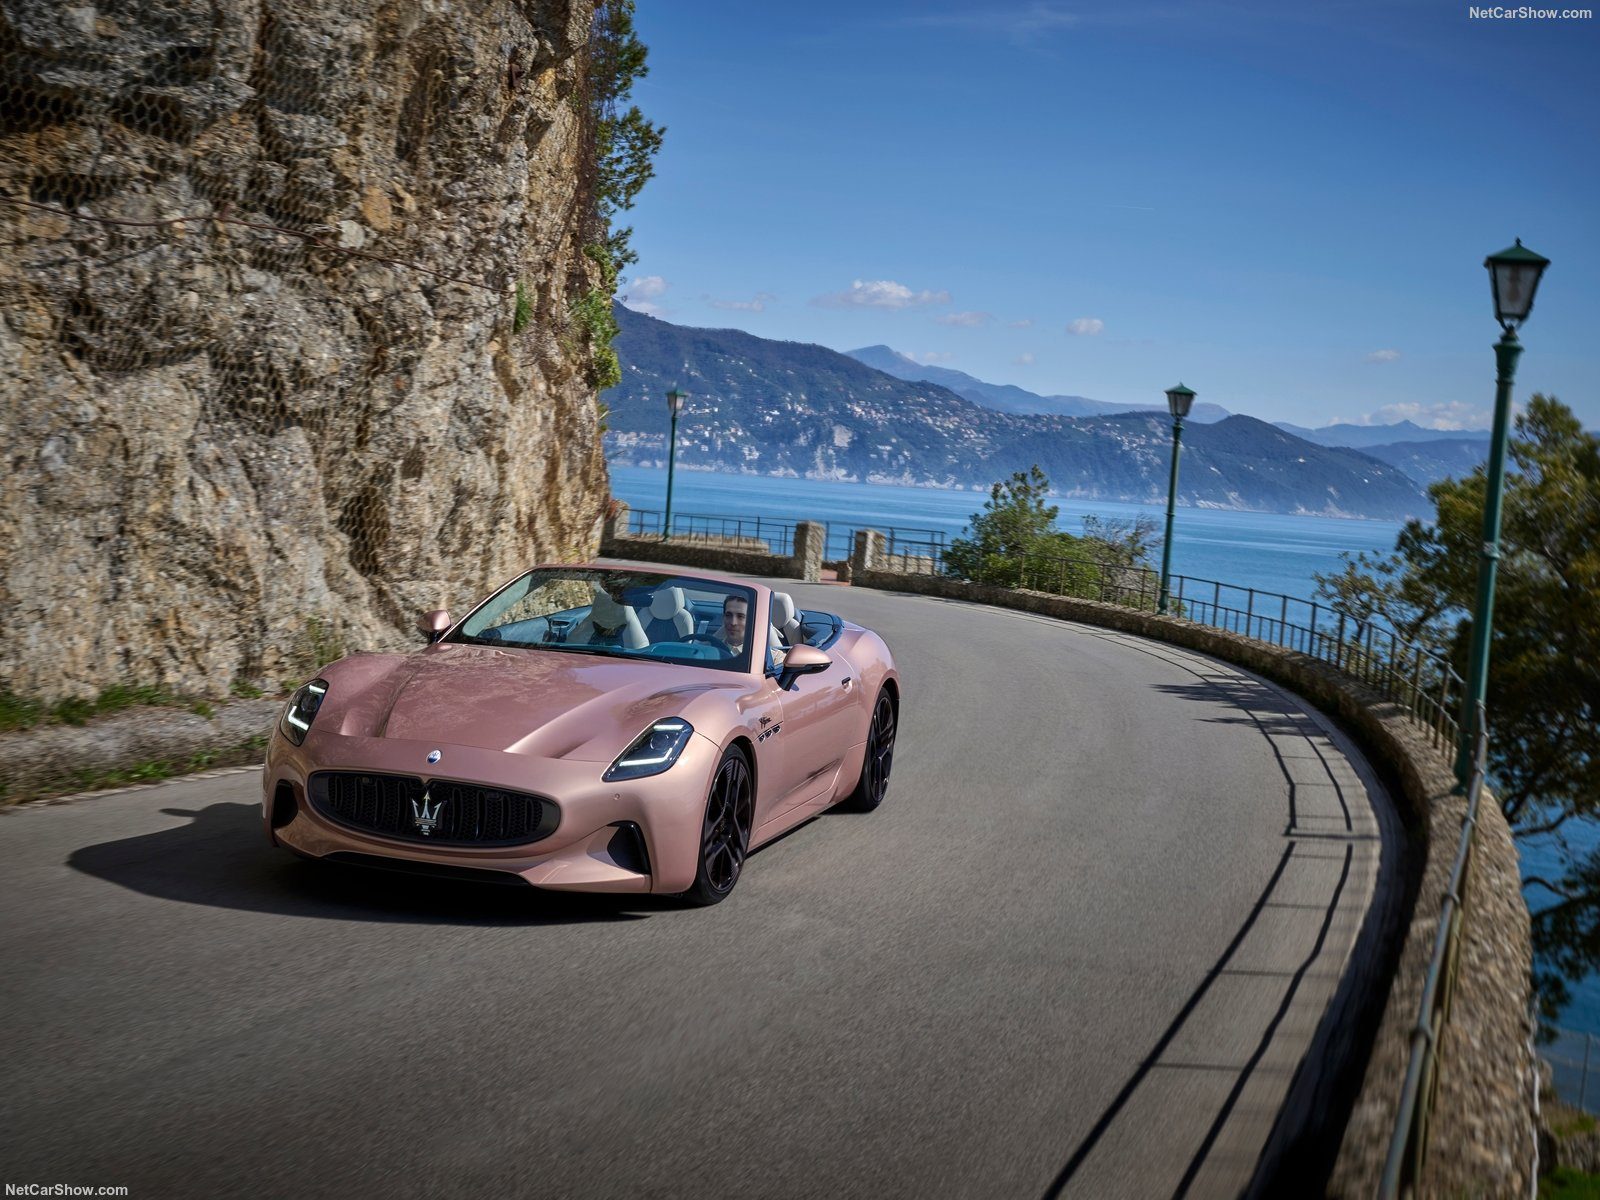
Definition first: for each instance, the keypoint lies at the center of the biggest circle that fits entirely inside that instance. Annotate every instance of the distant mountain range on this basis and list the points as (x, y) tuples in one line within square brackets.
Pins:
[(1433, 460), (1362, 436), (789, 408), (1423, 454), (1006, 397)]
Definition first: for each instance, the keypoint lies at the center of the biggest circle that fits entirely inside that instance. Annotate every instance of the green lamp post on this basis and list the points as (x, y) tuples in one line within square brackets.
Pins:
[(1179, 400), (675, 399), (1514, 276)]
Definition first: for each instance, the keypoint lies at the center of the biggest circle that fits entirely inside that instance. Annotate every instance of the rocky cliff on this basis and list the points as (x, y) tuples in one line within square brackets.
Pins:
[(285, 353)]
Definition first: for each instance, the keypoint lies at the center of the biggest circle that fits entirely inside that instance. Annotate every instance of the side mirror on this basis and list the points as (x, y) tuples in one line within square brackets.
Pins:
[(433, 624), (801, 660)]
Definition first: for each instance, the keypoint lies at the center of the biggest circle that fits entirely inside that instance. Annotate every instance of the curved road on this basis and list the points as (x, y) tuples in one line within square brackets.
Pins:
[(1080, 951)]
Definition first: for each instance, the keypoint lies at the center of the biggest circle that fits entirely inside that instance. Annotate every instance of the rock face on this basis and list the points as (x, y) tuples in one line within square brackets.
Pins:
[(285, 354)]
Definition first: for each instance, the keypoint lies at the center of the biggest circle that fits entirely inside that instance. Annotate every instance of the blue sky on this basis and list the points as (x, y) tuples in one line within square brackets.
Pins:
[(1285, 206)]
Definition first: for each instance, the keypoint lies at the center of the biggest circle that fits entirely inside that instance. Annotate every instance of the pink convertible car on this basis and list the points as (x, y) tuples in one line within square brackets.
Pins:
[(588, 728)]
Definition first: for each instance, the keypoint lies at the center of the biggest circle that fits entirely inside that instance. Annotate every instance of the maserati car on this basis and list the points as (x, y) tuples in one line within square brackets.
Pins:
[(588, 728)]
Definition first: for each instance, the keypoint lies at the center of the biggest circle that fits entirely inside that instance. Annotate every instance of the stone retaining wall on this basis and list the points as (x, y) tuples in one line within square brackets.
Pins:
[(1482, 1137), (805, 562)]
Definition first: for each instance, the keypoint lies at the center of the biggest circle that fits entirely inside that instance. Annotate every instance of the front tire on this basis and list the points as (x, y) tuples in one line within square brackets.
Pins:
[(725, 830), (875, 767)]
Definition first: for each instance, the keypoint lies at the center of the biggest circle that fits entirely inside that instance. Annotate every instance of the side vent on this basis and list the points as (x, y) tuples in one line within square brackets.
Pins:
[(284, 806), (627, 848)]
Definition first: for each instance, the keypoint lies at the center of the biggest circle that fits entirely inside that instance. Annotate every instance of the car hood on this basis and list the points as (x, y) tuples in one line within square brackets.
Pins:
[(545, 703)]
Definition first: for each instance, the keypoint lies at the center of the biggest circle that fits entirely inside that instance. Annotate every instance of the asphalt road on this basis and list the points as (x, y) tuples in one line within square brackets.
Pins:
[(1080, 951)]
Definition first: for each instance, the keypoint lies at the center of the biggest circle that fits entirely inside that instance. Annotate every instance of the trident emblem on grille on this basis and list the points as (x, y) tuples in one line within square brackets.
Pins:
[(426, 819)]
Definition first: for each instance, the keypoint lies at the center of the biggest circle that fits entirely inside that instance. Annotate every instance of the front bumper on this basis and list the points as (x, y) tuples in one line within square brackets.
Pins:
[(581, 855)]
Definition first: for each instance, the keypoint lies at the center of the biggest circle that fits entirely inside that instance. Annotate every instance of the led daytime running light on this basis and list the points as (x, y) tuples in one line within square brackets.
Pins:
[(643, 758), (302, 711)]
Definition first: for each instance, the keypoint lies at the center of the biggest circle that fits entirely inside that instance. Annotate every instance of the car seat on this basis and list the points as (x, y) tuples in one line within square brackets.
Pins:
[(609, 624), (785, 630), (667, 619)]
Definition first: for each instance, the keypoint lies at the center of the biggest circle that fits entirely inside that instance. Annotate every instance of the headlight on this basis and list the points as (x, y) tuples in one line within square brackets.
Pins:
[(302, 710), (653, 751)]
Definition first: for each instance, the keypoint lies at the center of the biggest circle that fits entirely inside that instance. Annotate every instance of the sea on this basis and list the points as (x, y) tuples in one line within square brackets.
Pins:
[(1270, 552), (1267, 551)]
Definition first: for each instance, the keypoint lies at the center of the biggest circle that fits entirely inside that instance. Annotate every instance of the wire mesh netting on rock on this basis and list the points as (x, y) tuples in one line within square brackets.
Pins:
[(285, 345)]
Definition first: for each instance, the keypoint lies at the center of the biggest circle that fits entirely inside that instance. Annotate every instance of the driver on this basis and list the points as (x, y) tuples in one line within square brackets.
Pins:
[(735, 622)]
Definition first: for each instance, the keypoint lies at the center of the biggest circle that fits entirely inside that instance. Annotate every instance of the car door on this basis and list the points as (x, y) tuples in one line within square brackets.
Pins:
[(774, 767), (823, 717)]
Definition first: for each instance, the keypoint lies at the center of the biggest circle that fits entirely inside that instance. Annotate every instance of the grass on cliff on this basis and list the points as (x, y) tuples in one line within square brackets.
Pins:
[(19, 712), (155, 770), (1566, 1184)]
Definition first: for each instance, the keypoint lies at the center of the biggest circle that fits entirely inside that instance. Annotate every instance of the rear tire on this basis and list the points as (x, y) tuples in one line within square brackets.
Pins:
[(879, 759), (725, 830)]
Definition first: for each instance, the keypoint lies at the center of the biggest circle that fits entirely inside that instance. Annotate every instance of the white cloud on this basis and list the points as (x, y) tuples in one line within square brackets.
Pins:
[(933, 356), (1451, 414), (1023, 360), (1025, 323), (880, 293), (1085, 326), (757, 303), (967, 320), (1383, 356), (641, 293)]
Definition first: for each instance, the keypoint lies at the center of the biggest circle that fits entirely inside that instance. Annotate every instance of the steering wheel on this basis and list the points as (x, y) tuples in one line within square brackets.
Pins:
[(707, 640)]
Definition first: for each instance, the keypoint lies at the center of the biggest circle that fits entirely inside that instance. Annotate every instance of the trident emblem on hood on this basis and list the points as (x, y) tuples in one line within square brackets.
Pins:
[(426, 819)]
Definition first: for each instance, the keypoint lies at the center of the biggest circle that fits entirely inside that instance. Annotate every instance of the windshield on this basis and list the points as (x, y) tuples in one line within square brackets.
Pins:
[(621, 614)]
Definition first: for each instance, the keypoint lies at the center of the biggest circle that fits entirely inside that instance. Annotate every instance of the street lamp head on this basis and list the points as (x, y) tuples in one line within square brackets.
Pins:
[(1179, 400), (675, 399), (1514, 277)]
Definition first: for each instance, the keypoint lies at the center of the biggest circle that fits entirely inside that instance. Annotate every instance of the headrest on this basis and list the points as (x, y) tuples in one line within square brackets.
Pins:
[(666, 602), (606, 612), (782, 610)]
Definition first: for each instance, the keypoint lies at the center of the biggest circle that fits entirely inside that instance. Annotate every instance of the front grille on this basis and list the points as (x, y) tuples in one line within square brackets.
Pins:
[(453, 814)]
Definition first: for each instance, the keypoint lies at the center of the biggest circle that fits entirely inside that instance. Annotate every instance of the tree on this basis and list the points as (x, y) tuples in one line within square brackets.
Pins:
[(1126, 542), (1013, 542), (1543, 692), (1015, 522), (625, 141)]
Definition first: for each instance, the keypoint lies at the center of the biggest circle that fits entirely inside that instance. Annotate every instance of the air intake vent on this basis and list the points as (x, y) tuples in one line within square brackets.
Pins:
[(438, 812), (283, 805)]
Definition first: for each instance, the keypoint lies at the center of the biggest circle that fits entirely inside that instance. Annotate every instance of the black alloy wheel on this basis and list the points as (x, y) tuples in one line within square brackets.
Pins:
[(725, 835), (874, 781)]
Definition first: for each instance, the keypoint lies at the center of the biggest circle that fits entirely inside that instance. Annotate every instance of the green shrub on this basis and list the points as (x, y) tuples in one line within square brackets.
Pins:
[(18, 713), (1564, 1183), (591, 313), (521, 310)]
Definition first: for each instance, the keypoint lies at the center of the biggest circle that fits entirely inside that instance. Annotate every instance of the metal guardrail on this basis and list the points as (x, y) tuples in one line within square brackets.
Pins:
[(1419, 679), (1574, 1058), (767, 535), (1408, 1146)]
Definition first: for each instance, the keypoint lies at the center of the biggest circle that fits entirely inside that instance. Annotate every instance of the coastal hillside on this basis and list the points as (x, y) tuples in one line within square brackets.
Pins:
[(1008, 397), (789, 408), (1442, 458), (1366, 437)]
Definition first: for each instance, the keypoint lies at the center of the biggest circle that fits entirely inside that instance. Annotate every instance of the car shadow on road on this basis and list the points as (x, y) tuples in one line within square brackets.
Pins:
[(221, 860)]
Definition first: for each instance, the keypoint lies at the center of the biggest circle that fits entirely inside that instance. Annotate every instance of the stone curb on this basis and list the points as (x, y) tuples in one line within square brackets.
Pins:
[(73, 797), (1482, 1139), (53, 759)]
